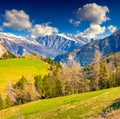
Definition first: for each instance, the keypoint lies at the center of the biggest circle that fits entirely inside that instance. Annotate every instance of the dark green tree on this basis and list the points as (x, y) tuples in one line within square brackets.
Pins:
[(21, 83), (39, 85), (112, 82), (7, 55), (51, 86), (24, 91), (103, 78), (92, 83)]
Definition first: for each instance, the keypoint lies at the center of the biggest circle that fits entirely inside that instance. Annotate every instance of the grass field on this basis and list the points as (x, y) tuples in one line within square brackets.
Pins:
[(78, 106), (12, 70)]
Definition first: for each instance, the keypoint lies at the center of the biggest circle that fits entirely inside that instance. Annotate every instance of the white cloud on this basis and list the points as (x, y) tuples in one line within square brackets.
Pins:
[(112, 28), (75, 23), (96, 15), (93, 13), (42, 30), (92, 31), (17, 19)]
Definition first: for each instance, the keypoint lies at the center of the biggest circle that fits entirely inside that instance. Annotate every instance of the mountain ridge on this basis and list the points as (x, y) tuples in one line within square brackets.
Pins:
[(66, 42), (49, 46), (85, 54)]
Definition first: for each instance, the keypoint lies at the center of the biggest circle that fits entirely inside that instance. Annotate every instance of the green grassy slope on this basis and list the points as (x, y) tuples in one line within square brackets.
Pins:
[(79, 106), (12, 70)]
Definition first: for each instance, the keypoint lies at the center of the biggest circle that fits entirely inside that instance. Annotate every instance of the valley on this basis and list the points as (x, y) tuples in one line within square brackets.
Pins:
[(59, 59)]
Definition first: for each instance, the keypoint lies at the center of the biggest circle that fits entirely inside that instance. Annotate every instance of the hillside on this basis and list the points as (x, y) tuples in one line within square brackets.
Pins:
[(2, 49), (111, 62), (85, 54), (12, 70), (78, 106)]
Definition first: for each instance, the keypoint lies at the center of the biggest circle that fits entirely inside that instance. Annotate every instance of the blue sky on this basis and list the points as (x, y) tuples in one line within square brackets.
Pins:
[(44, 17)]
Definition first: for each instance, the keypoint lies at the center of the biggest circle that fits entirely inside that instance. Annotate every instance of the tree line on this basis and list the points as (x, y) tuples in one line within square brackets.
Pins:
[(64, 80)]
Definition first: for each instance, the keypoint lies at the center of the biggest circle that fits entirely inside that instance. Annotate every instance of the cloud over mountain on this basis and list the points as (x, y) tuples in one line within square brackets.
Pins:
[(92, 31), (43, 30), (95, 15), (17, 19)]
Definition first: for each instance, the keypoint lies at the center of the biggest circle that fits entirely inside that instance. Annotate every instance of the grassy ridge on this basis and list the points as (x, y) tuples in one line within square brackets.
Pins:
[(79, 106), (11, 70)]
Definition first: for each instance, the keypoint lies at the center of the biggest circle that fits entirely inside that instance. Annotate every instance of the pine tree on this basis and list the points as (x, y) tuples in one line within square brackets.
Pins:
[(92, 83), (112, 80), (24, 91), (103, 80), (21, 83), (38, 83)]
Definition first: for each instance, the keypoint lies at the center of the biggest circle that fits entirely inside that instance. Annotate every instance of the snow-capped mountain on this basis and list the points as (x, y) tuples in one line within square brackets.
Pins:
[(51, 45), (75, 38), (19, 45), (85, 54), (66, 42)]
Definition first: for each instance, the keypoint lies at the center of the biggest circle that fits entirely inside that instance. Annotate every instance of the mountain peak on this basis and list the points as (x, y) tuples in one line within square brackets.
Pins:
[(85, 54), (63, 41), (51, 45)]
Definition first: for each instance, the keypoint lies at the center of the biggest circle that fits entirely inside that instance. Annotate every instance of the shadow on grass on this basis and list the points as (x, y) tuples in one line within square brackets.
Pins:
[(114, 106)]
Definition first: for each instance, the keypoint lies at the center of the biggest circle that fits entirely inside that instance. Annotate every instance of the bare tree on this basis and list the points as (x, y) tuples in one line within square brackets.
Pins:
[(96, 68), (72, 78)]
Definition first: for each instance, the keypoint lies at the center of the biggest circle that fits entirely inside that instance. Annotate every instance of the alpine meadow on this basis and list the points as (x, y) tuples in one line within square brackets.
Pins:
[(59, 59)]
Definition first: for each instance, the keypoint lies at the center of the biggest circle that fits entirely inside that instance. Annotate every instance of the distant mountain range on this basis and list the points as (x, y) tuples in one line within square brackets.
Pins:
[(65, 42), (85, 54), (62, 47), (51, 45)]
